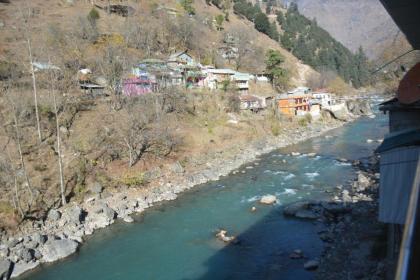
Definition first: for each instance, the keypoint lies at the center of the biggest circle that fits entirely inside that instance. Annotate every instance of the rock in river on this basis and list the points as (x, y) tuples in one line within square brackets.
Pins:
[(128, 219), (311, 265), (268, 199), (292, 209), (5, 269), (221, 235), (22, 267), (57, 249), (306, 214)]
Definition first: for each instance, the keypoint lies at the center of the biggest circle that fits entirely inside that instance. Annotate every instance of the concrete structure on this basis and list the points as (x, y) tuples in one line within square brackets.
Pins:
[(214, 77), (323, 98), (138, 86), (293, 104), (180, 58), (242, 81), (250, 102)]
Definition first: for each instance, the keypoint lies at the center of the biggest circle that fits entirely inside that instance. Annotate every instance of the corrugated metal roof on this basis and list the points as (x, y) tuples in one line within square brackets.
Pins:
[(406, 138), (221, 71)]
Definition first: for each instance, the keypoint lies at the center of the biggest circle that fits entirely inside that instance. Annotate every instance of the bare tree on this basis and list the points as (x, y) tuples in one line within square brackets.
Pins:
[(111, 65), (17, 138), (144, 126), (16, 198), (26, 32), (53, 81), (241, 45), (184, 30), (141, 35)]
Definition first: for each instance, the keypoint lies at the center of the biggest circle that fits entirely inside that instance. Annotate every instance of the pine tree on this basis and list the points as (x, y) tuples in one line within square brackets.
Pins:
[(278, 75), (262, 23)]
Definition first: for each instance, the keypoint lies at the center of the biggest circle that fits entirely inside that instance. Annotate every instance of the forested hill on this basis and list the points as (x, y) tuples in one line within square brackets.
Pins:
[(309, 42), (316, 47)]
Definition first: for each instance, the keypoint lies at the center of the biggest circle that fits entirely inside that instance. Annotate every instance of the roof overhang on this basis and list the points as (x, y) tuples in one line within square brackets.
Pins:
[(405, 13)]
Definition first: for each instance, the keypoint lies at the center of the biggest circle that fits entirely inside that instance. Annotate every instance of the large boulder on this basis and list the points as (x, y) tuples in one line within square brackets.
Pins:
[(339, 112), (293, 208), (363, 182), (101, 216), (22, 267), (307, 214), (38, 237), (5, 269), (74, 214), (268, 199), (54, 215), (57, 249), (311, 265), (26, 254), (359, 107), (335, 208), (4, 251), (96, 188)]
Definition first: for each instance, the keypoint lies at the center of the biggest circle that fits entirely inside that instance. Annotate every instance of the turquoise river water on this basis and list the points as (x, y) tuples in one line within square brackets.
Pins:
[(176, 240)]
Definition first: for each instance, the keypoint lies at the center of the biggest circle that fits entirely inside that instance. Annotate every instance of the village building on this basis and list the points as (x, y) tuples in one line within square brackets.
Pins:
[(215, 77), (138, 86), (300, 91), (242, 82), (250, 102), (261, 78), (323, 98), (158, 70), (294, 104), (87, 83), (179, 59)]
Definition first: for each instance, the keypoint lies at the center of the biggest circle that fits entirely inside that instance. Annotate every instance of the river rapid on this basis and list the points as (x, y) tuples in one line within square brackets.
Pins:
[(176, 240)]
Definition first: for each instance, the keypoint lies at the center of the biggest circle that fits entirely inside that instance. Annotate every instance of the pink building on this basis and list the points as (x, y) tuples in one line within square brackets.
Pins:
[(138, 86)]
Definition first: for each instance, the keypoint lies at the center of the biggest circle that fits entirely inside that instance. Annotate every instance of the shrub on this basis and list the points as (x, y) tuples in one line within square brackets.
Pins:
[(188, 6), (93, 16), (8, 70), (233, 103), (305, 120), (219, 21), (275, 128), (134, 180)]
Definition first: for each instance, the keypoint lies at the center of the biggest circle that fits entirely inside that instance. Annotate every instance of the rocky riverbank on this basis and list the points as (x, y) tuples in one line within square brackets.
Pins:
[(354, 240), (62, 232)]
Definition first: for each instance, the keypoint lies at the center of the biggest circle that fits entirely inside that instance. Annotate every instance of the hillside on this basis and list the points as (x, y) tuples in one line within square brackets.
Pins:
[(305, 39), (163, 23), (116, 141), (354, 23)]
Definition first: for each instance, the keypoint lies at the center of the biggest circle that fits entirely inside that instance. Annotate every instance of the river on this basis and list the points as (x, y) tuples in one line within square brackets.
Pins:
[(175, 240)]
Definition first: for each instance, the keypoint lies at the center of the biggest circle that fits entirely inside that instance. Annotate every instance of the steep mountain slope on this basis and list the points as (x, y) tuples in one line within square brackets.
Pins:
[(163, 24), (353, 22)]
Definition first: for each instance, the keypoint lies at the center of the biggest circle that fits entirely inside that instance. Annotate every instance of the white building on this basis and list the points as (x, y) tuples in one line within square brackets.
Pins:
[(323, 98)]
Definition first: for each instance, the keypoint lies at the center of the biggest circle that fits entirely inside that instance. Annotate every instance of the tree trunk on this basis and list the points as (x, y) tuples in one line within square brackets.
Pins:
[(18, 206), (28, 41), (16, 198), (22, 162), (60, 161)]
